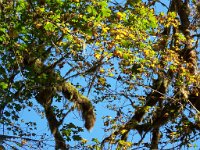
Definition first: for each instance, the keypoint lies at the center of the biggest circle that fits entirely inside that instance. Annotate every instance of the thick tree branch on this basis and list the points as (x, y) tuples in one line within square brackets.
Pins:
[(155, 138)]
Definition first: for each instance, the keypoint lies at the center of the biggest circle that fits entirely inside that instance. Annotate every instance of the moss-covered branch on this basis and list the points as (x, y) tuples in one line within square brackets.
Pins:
[(82, 104)]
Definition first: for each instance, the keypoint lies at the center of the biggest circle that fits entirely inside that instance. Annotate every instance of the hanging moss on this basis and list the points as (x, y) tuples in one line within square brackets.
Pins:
[(83, 104)]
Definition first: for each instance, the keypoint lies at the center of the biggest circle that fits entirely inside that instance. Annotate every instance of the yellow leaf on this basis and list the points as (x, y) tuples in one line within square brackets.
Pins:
[(123, 131), (118, 37), (120, 15), (84, 141), (101, 70), (102, 81), (105, 29), (97, 56)]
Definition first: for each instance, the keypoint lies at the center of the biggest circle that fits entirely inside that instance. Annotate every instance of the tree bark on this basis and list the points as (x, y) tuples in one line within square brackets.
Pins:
[(54, 127), (45, 97), (155, 138)]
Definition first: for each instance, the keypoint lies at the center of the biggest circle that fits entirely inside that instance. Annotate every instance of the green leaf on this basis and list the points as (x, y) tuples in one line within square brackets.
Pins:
[(7, 113), (103, 3), (76, 137), (67, 132), (49, 26), (3, 85), (71, 125), (89, 9), (106, 12), (95, 140)]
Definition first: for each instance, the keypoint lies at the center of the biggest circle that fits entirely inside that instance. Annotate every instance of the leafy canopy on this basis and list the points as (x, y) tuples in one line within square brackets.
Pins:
[(68, 55)]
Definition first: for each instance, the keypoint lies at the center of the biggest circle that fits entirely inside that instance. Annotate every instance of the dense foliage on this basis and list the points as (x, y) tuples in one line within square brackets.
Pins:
[(139, 58)]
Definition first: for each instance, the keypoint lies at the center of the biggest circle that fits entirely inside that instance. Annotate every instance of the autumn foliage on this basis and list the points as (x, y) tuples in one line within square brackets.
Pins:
[(138, 58)]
